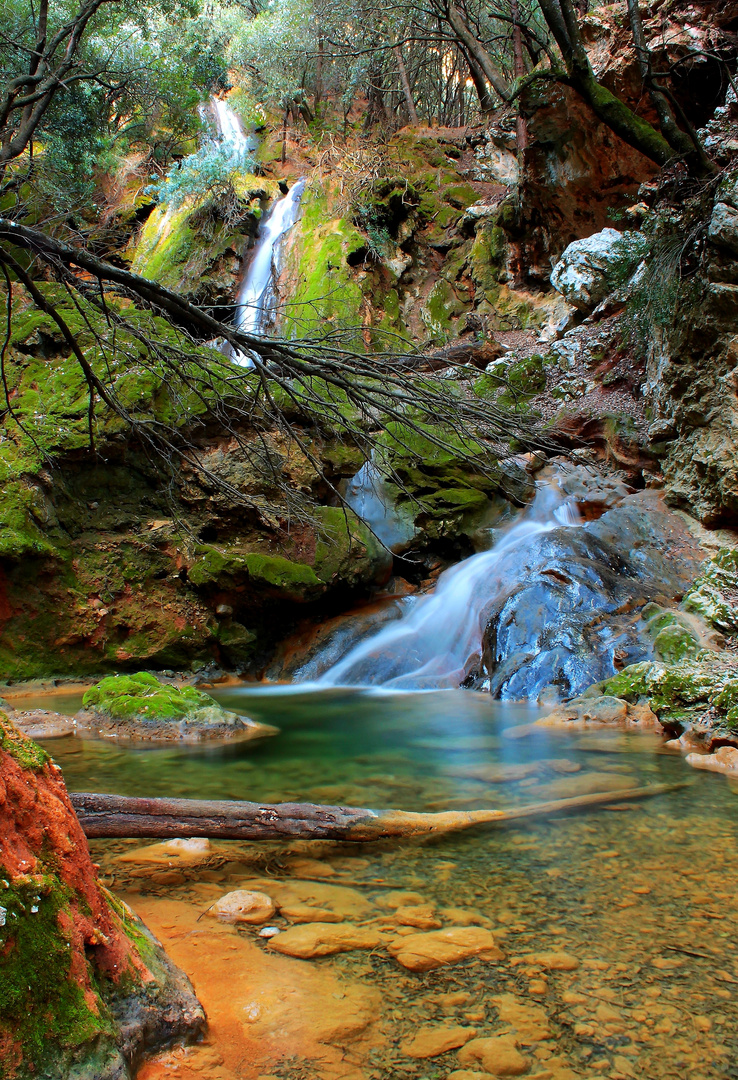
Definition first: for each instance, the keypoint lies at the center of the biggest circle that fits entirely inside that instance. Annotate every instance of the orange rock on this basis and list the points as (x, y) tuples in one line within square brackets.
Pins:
[(423, 916), (243, 906), (324, 939), (499, 1056), (423, 952), (437, 1039)]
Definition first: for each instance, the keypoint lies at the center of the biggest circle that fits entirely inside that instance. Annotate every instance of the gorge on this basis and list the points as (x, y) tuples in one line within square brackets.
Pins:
[(368, 468)]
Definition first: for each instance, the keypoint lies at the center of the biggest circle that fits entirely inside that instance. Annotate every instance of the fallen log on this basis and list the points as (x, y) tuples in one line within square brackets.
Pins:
[(123, 816)]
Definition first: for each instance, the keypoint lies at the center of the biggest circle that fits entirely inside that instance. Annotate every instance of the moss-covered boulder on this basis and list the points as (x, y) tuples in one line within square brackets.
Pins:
[(85, 990), (141, 707)]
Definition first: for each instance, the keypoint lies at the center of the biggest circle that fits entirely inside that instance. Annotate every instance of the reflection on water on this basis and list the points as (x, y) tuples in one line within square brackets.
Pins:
[(617, 925)]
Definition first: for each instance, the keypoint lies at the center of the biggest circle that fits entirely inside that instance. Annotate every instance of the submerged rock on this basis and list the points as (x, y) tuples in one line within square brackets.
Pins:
[(424, 952), (85, 990), (499, 1056), (324, 939), (141, 707), (437, 1039), (243, 906)]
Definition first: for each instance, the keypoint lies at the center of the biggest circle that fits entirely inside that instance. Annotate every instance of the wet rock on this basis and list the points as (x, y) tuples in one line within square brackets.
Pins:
[(529, 1021), (590, 269), (424, 952), (725, 760), (588, 783), (437, 1039), (553, 961), (571, 615), (140, 707), (313, 901), (243, 906), (600, 711), (423, 916), (193, 852), (42, 724), (499, 1056), (324, 939)]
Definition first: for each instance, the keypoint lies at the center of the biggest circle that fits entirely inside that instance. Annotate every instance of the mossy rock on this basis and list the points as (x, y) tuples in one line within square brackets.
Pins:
[(714, 595), (140, 706)]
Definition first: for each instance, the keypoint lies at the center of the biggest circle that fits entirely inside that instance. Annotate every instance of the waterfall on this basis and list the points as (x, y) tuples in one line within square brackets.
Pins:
[(257, 296), (438, 638), (231, 130)]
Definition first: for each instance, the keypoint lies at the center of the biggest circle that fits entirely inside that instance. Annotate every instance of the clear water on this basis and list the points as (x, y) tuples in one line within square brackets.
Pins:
[(642, 895)]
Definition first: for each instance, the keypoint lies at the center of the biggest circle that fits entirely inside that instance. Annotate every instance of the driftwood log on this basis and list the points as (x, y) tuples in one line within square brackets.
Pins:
[(122, 816)]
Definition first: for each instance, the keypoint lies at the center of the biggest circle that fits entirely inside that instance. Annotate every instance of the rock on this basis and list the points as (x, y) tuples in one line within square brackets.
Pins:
[(590, 269), (601, 711), (422, 915), (499, 1056), (141, 707), (269, 931), (177, 852), (313, 901), (467, 1074), (553, 961), (68, 950), (587, 783), (41, 724), (437, 1039), (570, 615), (724, 760), (424, 952), (243, 906), (529, 1021), (324, 939), (723, 229)]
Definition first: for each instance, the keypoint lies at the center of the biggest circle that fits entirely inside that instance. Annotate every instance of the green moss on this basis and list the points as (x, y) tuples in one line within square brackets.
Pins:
[(142, 696), (42, 1005), (280, 573), (25, 751), (441, 310), (712, 594), (460, 195)]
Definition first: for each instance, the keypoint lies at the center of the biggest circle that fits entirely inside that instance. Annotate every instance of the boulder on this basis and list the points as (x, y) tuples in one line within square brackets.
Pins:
[(723, 229), (592, 268), (243, 906), (85, 989), (141, 707), (725, 760), (424, 952), (571, 612)]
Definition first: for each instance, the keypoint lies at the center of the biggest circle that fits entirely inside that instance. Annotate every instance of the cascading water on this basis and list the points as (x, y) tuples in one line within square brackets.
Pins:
[(438, 639), (257, 295)]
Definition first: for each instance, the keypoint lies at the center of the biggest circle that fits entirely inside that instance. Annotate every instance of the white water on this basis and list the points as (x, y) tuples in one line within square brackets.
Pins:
[(368, 497), (257, 295), (231, 130), (439, 640)]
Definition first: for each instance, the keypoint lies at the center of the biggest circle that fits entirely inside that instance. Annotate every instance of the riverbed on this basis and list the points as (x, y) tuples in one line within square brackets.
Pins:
[(615, 927)]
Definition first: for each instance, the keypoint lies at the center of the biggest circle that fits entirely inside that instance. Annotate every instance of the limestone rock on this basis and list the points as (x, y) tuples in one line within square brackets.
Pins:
[(324, 939), (723, 230), (589, 269), (499, 1056), (243, 906), (724, 760), (424, 952), (437, 1039), (42, 724)]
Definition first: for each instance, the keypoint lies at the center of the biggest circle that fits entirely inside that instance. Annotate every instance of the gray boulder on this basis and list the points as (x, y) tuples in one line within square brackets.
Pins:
[(590, 269), (723, 229)]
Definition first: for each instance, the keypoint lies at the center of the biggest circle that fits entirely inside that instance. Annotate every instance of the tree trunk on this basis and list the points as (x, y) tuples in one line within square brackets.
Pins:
[(411, 110), (521, 126), (475, 48), (120, 816)]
